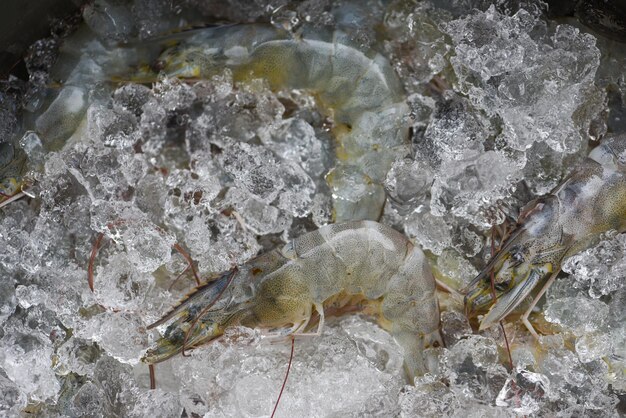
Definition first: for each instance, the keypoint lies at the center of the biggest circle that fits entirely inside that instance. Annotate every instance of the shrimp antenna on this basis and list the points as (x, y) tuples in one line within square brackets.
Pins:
[(10, 199), (293, 341), (494, 297), (152, 378)]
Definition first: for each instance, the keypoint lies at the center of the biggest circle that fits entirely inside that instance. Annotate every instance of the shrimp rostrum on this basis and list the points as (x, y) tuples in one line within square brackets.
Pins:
[(360, 266), (570, 219)]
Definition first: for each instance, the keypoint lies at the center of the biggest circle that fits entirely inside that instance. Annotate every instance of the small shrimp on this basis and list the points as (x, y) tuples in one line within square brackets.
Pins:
[(360, 266), (570, 219)]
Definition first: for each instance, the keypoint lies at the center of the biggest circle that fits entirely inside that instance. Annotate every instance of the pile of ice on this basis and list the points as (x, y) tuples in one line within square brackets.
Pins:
[(503, 104), (518, 101)]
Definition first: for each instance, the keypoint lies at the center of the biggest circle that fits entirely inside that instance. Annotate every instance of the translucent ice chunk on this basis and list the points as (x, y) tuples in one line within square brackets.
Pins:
[(31, 371), (8, 300), (600, 269), (117, 334), (418, 42), (174, 94), (147, 247), (28, 296), (191, 191), (457, 130), (12, 400), (525, 393), (468, 188), (116, 382), (297, 197), (118, 284), (407, 183), (254, 169), (89, 400), (114, 127), (260, 217), (429, 397), (63, 115), (593, 346), (78, 356), (151, 401), (294, 139), (454, 327), (579, 314), (472, 365), (32, 146), (110, 19), (132, 97), (233, 245), (245, 378), (432, 232)]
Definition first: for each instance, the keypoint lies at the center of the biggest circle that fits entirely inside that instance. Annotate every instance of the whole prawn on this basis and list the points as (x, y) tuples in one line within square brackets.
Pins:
[(357, 88), (571, 218), (358, 266)]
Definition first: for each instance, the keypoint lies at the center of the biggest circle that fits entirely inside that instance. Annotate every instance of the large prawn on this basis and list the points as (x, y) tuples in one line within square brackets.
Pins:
[(360, 266), (357, 88), (589, 202)]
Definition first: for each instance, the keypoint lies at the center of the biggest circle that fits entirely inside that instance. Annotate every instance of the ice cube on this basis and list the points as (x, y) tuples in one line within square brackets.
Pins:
[(407, 183), (525, 393), (30, 369), (110, 19), (533, 77), (254, 169), (113, 126), (594, 346), (294, 139), (89, 400), (32, 146), (579, 314), (600, 269)]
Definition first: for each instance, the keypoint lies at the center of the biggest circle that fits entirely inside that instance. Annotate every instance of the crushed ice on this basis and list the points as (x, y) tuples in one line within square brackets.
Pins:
[(502, 101)]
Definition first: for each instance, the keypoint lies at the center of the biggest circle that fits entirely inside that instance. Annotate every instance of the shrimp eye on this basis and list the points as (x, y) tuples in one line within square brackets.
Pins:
[(502, 286), (436, 344), (518, 258)]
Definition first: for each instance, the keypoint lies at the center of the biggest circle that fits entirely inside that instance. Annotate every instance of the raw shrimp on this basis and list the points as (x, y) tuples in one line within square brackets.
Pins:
[(359, 89), (355, 86), (571, 218), (360, 266)]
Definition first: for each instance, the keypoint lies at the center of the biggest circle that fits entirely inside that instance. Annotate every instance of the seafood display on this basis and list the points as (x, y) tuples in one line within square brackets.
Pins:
[(373, 184)]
